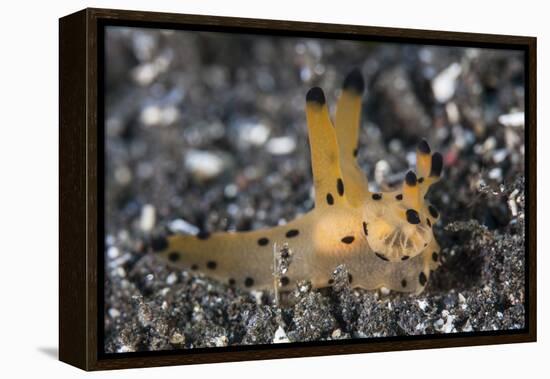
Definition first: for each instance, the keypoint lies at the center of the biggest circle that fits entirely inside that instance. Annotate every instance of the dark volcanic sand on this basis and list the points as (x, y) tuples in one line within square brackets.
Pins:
[(212, 132)]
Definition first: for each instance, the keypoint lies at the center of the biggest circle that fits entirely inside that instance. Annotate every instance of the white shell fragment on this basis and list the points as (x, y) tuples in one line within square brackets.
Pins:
[(281, 145), (280, 336), (147, 219), (203, 165), (444, 84), (516, 119)]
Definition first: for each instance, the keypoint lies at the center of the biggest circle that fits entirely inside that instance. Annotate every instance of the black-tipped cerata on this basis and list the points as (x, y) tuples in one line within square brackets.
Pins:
[(437, 165), (315, 95), (423, 147), (410, 178), (354, 82)]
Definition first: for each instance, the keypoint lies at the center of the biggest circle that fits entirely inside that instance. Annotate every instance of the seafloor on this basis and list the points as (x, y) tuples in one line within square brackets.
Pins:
[(209, 134)]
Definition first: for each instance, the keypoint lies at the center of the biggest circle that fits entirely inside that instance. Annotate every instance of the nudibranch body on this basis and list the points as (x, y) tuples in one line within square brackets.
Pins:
[(385, 239)]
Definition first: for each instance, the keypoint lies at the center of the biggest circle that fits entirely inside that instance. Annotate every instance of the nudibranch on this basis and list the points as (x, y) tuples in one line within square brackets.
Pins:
[(385, 239)]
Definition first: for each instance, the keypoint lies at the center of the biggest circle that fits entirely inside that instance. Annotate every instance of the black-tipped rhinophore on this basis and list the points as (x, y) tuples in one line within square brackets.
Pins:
[(354, 82), (410, 178), (315, 95), (437, 165), (423, 147)]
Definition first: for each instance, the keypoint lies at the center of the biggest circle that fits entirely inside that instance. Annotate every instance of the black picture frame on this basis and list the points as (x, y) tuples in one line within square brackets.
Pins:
[(81, 153)]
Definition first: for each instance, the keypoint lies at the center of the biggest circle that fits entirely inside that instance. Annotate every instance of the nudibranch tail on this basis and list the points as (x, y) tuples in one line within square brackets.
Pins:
[(239, 259), (385, 239)]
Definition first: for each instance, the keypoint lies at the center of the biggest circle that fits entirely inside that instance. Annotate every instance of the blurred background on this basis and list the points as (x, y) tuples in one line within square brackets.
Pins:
[(206, 131), (198, 121)]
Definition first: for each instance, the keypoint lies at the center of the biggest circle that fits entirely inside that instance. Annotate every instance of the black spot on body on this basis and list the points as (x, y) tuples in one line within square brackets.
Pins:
[(423, 147), (435, 256), (377, 196), (330, 282), (330, 199), (231, 282), (315, 95), (422, 279), (263, 241), (429, 222), (248, 282), (437, 165), (433, 211), (340, 187), (354, 82), (350, 278), (405, 257), (348, 239), (420, 180), (194, 267), (382, 256), (365, 230), (412, 216), (404, 283), (174, 256), (203, 235), (355, 152), (159, 243), (410, 179), (292, 233), (399, 197), (211, 265), (284, 281)]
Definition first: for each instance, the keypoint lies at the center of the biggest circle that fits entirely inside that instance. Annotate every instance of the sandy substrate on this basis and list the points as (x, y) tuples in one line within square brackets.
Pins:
[(208, 133)]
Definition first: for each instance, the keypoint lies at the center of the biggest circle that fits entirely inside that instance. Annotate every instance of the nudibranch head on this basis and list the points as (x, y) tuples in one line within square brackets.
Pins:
[(401, 221)]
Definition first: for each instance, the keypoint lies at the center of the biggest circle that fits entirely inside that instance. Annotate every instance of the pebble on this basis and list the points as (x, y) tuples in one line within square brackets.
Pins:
[(467, 327), (182, 226), (515, 119), (204, 165), (280, 336), (177, 339), (381, 170), (114, 313), (495, 173), (500, 155), (125, 349), (123, 175), (253, 134), (113, 252), (422, 304), (230, 190), (147, 219), (453, 114), (444, 84), (281, 145), (221, 341), (171, 279), (337, 333)]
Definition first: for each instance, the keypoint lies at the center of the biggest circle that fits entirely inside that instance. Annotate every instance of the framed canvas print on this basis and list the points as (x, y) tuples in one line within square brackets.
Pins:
[(237, 189)]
